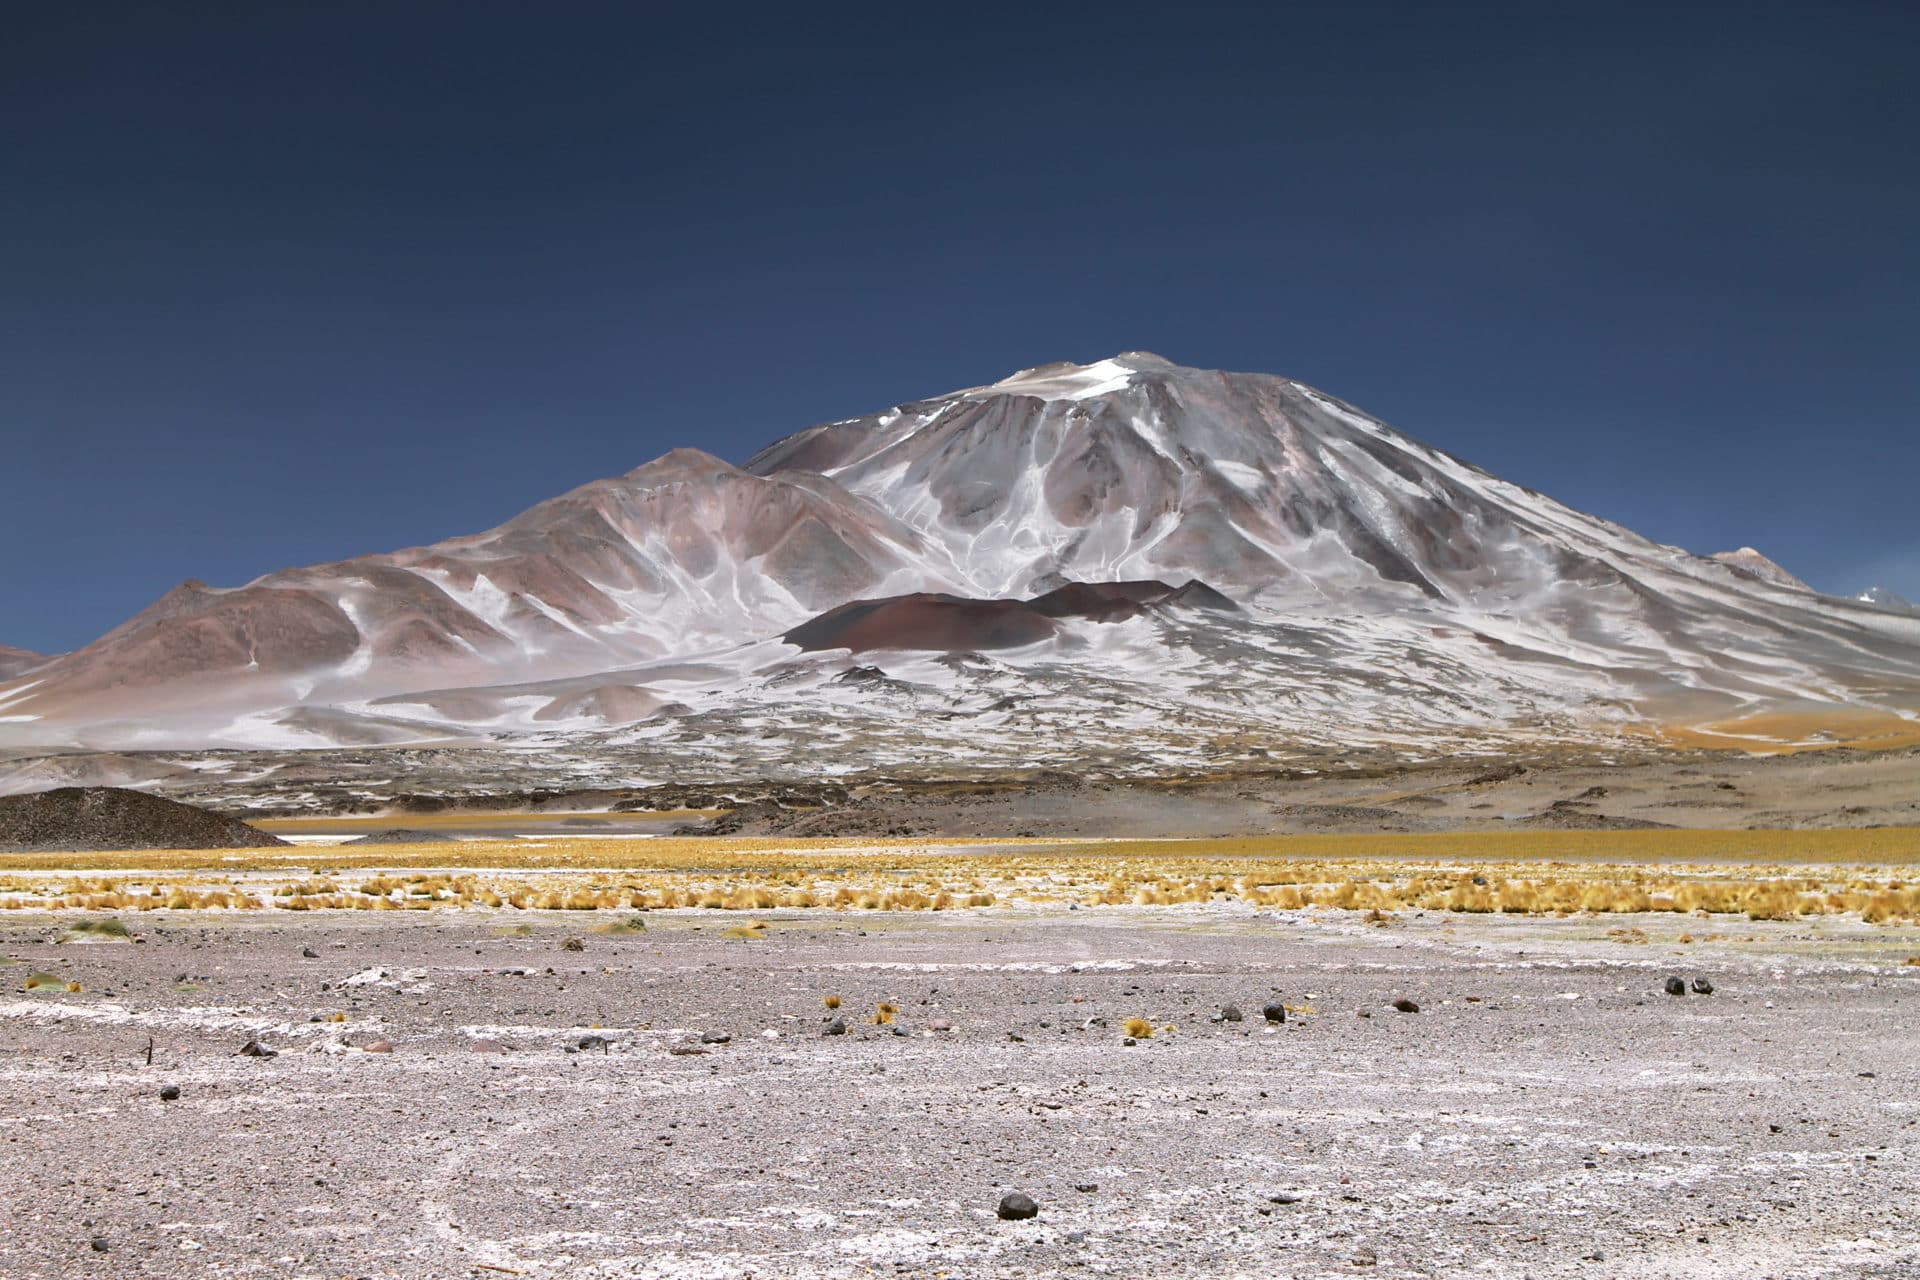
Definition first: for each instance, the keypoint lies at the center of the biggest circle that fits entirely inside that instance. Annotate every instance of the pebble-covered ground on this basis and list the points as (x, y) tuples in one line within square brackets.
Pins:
[(1549, 1110)]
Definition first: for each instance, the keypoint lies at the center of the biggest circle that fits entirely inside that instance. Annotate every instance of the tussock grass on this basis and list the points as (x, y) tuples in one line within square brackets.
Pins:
[(1137, 1028), (1694, 873), (831, 1002), (884, 1013), (110, 928)]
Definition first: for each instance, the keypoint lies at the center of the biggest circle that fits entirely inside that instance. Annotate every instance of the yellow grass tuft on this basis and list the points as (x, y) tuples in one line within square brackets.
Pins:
[(832, 1002), (1138, 1028), (883, 1013)]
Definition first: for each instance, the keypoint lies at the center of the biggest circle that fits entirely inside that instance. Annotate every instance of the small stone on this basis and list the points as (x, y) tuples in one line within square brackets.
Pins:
[(1015, 1206), (897, 1030), (1274, 1011), (593, 1042), (838, 1027), (939, 1024), (1087, 1187), (1405, 1005), (170, 1094), (99, 1244), (1702, 987), (1676, 987), (716, 1037), (1231, 1013), (1283, 1198), (487, 1046), (572, 944), (309, 953), (686, 1051), (254, 1049), (379, 1046)]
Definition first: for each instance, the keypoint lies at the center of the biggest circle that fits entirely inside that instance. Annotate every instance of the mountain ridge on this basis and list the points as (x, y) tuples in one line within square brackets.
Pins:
[(1326, 526)]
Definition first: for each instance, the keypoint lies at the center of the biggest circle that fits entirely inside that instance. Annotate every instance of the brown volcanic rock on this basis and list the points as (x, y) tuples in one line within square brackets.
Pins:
[(925, 621), (114, 818), (957, 624), (1101, 600)]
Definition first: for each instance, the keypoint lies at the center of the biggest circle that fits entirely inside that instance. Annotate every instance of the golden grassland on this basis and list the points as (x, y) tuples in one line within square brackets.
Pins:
[(1878, 846), (1791, 732), (1757, 874)]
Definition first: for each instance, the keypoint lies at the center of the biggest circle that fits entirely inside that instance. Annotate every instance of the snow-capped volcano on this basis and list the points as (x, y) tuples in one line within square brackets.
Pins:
[(1386, 589)]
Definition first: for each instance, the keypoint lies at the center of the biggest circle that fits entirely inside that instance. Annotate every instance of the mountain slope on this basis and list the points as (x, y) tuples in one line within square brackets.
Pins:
[(14, 662), (1388, 592)]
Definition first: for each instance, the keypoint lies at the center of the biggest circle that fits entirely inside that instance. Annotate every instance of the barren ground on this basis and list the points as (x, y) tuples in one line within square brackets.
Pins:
[(1548, 1112)]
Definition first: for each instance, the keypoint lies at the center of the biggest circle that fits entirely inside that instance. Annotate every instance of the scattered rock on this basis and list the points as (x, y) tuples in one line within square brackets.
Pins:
[(170, 1094), (1231, 1013), (838, 1027), (1274, 1011), (99, 1244), (1283, 1198), (254, 1049), (402, 835), (1088, 1187), (309, 953), (380, 1046), (593, 1042), (939, 1024), (487, 1046), (572, 944), (1015, 1206), (1405, 1005), (716, 1037), (1676, 987), (686, 1051), (1702, 987)]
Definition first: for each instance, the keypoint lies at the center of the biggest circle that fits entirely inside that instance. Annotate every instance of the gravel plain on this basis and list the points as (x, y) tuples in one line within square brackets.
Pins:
[(1549, 1111)]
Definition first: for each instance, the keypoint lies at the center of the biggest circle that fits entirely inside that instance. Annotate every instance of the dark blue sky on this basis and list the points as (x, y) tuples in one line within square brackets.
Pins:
[(283, 283)]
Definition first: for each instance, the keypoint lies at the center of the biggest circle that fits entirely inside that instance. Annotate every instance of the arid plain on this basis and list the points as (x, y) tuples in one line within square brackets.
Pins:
[(563, 1043)]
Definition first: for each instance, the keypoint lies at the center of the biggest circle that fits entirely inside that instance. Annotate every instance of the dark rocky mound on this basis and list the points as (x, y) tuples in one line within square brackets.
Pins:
[(402, 835), (1101, 601), (957, 624), (924, 620), (115, 818), (1571, 815)]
